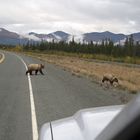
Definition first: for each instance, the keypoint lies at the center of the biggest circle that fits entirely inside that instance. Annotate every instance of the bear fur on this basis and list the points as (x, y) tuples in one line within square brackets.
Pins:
[(36, 68), (109, 77)]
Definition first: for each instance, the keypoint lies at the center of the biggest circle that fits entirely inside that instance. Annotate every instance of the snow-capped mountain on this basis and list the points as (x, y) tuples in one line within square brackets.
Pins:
[(55, 36), (95, 37), (136, 36), (7, 37), (30, 37), (76, 38)]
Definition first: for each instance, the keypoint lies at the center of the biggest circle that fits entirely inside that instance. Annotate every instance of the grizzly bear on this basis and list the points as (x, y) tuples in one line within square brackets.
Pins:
[(109, 77), (36, 68)]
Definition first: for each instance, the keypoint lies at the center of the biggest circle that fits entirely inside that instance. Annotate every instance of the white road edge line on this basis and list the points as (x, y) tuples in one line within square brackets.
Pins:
[(33, 111)]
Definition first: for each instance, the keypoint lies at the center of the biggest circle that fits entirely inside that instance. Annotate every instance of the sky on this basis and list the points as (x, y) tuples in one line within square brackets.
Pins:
[(71, 16)]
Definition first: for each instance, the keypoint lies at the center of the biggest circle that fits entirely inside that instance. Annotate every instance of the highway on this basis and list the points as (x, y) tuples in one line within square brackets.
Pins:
[(55, 95)]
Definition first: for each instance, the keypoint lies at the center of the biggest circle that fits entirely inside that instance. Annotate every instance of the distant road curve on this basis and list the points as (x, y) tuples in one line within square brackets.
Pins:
[(2, 57)]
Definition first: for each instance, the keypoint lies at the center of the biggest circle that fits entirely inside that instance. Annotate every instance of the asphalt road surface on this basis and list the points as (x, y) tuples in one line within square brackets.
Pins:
[(56, 95)]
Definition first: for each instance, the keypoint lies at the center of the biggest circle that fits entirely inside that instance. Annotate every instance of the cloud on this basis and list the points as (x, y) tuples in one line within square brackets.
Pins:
[(73, 16)]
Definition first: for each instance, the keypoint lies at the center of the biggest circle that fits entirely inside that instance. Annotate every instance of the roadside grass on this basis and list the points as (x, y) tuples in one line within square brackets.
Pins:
[(127, 59), (100, 57), (129, 77)]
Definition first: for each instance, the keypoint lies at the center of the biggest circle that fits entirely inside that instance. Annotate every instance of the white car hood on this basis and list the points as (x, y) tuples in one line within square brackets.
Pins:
[(86, 124)]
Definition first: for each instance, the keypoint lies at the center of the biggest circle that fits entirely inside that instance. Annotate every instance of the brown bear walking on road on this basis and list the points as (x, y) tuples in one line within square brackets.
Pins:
[(36, 68)]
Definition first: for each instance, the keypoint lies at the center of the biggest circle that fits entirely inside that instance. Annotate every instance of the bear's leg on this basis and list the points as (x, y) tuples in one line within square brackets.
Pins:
[(111, 82), (103, 80), (30, 72), (41, 72), (36, 72), (27, 72)]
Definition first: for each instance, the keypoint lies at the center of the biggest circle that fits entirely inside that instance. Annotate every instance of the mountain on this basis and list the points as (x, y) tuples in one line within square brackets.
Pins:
[(136, 36), (12, 38), (7, 37), (56, 36), (60, 34), (7, 34), (40, 36), (96, 36)]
